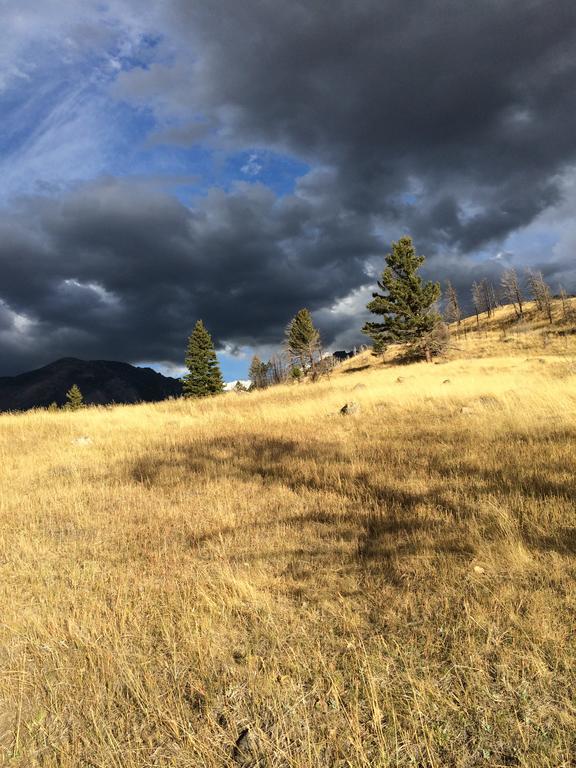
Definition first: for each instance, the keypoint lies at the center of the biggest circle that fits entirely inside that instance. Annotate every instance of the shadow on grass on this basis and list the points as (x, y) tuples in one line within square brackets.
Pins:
[(357, 368), (384, 521), (387, 521)]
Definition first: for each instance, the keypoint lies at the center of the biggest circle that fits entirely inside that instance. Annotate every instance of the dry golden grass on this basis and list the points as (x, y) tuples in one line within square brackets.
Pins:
[(393, 588), (503, 334)]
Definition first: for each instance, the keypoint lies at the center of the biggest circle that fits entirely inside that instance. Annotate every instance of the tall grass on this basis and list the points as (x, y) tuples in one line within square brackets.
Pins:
[(393, 588)]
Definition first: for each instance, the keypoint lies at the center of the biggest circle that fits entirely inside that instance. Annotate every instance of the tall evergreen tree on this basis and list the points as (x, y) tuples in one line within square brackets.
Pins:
[(407, 302), (303, 341), (74, 398), (204, 377)]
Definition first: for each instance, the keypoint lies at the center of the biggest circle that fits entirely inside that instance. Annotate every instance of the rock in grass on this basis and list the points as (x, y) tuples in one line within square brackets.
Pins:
[(446, 381), (349, 409), (83, 440), (359, 386)]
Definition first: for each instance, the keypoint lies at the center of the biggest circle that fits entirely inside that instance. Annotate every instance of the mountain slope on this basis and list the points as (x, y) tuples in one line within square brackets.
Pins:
[(100, 381)]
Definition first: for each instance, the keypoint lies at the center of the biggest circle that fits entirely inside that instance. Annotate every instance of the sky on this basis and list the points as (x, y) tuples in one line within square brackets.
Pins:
[(236, 162)]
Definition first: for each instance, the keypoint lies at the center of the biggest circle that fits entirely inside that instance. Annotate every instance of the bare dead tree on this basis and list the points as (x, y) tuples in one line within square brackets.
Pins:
[(477, 300), (492, 295), (532, 281), (277, 369), (453, 311), (488, 297), (540, 292), (512, 290), (567, 309)]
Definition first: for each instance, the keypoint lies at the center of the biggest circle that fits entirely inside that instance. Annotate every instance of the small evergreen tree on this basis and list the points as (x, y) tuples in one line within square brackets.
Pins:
[(408, 301), (296, 373), (204, 377), (74, 398), (303, 341), (258, 373), (240, 387)]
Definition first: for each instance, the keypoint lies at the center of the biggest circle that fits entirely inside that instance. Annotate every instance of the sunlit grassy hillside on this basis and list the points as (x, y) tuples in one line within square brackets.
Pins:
[(392, 588)]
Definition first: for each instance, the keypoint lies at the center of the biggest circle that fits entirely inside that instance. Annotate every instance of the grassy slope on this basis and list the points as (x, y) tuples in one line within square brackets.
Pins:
[(395, 588)]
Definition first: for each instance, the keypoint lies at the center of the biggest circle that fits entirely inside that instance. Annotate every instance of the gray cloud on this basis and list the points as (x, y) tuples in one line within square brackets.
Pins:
[(474, 102), (453, 121), (121, 270)]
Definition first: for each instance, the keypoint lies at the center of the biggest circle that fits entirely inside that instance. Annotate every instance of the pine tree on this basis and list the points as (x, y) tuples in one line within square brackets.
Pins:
[(407, 304), (204, 377), (74, 398), (296, 373), (303, 341), (453, 312), (258, 373)]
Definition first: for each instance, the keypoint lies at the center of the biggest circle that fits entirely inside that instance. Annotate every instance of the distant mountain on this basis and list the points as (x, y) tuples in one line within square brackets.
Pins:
[(100, 381)]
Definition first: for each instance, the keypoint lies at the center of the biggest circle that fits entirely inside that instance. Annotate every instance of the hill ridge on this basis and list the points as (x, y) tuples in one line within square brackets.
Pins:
[(101, 382)]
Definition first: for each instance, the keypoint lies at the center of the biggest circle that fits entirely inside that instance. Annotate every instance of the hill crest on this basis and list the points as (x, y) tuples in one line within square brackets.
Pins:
[(101, 382)]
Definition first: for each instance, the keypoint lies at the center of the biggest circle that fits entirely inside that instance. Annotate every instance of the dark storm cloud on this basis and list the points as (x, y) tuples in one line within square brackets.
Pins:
[(122, 271), (453, 121), (475, 103)]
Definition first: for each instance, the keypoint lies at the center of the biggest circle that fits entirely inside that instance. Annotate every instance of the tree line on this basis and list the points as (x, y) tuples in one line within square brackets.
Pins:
[(408, 312), (407, 308)]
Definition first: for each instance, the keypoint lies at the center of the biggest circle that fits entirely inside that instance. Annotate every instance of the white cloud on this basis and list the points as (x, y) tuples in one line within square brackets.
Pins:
[(252, 167), (104, 296), (57, 61)]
